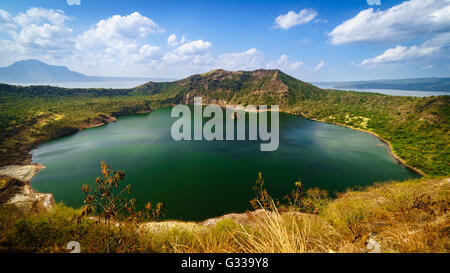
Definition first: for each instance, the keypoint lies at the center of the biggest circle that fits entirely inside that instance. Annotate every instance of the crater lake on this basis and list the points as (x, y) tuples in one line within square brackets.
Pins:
[(197, 180)]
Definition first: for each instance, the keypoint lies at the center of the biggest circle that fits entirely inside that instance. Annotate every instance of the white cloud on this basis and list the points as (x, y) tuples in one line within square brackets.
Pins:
[(193, 48), (248, 60), (438, 44), (441, 40), (407, 20), (374, 2), (148, 52), (120, 39), (172, 40), (401, 53), (45, 36), (118, 46), (114, 42), (319, 66), (283, 64), (73, 2), (191, 55), (40, 16), (36, 31), (6, 20), (117, 30), (290, 19), (426, 67)]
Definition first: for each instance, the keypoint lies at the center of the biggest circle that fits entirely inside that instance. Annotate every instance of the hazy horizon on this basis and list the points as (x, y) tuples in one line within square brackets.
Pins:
[(315, 41)]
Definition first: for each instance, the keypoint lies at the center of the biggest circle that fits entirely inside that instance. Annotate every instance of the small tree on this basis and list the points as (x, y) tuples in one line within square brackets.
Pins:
[(109, 200), (295, 198), (262, 198)]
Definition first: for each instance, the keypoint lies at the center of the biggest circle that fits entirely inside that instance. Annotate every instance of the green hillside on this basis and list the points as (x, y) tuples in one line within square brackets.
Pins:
[(417, 128)]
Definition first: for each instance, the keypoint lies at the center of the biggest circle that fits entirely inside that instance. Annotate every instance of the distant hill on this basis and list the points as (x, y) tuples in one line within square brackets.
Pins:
[(34, 71), (417, 84), (220, 86)]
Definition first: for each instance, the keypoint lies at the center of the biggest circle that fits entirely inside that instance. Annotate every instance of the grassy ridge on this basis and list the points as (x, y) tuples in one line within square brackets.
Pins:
[(417, 128)]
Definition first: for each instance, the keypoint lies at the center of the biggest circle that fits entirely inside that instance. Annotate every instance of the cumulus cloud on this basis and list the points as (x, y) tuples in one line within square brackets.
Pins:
[(36, 31), (400, 53), (374, 2), (192, 55), (117, 30), (6, 20), (193, 48), (45, 36), (73, 2), (43, 33), (319, 66), (284, 64), (148, 52), (407, 20), (172, 40), (247, 60), (120, 38), (290, 19), (441, 40), (39, 16), (118, 45)]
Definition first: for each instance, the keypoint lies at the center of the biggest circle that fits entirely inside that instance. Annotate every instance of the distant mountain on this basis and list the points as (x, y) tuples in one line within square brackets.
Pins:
[(34, 71), (415, 84)]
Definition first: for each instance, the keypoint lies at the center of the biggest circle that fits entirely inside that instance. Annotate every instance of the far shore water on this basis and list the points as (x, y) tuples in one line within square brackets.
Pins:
[(93, 84), (131, 84), (391, 92)]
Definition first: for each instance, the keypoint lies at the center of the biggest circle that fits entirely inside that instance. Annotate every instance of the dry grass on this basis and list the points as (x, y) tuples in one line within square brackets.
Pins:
[(289, 233), (410, 216)]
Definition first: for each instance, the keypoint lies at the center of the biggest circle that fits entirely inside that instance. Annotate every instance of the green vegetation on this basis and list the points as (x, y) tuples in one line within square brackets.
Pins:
[(417, 128), (32, 115), (110, 200), (410, 216)]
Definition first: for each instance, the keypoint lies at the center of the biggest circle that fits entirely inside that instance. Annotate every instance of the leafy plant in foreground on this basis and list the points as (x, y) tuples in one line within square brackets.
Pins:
[(111, 201)]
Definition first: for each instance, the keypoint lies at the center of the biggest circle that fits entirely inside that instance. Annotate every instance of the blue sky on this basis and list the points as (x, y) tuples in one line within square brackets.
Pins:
[(311, 40)]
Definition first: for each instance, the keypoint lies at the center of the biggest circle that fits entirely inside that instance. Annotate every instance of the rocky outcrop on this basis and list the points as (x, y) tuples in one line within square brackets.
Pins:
[(136, 109), (249, 218), (96, 122), (18, 191), (22, 173), (29, 200)]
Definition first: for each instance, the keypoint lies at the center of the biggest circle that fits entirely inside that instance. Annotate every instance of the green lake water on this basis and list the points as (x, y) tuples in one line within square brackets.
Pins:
[(201, 179)]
